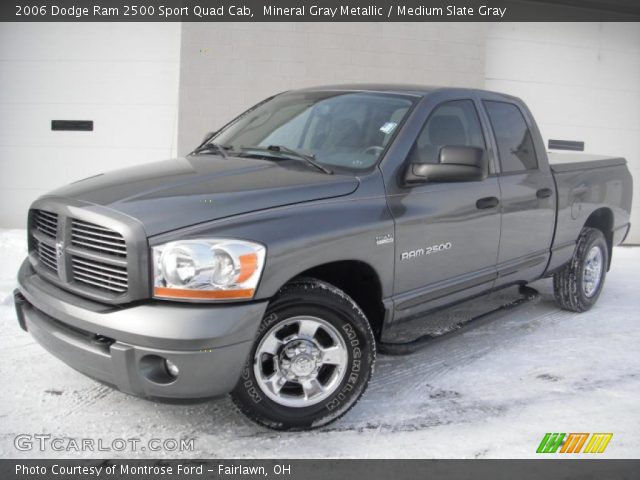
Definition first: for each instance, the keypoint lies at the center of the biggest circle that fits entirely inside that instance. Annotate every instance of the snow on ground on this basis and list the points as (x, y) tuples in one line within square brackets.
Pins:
[(492, 391)]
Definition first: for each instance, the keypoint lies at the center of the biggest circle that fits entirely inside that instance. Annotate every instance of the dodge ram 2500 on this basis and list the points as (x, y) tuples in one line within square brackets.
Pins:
[(272, 260)]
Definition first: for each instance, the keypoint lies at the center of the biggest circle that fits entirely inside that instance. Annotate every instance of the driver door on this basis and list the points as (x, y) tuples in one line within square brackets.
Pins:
[(446, 234)]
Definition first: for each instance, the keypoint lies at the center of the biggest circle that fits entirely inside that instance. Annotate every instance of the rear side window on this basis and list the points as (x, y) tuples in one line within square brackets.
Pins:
[(515, 144), (454, 123)]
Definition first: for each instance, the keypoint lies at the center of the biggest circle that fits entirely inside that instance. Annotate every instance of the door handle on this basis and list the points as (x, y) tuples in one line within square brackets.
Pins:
[(544, 193), (487, 202)]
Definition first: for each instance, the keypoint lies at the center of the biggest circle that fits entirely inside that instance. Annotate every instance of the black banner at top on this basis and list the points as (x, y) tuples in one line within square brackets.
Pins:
[(319, 10)]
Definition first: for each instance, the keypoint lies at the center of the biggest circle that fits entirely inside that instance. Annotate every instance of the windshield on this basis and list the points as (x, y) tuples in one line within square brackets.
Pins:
[(341, 129)]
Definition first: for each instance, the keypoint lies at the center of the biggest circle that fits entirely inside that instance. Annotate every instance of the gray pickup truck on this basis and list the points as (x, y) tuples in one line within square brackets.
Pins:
[(273, 260)]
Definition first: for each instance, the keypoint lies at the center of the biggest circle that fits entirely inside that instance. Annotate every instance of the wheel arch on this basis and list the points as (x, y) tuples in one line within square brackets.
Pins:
[(602, 219), (360, 281)]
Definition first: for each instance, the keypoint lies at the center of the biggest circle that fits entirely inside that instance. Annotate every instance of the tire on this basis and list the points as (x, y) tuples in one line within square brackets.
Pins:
[(278, 387), (578, 285)]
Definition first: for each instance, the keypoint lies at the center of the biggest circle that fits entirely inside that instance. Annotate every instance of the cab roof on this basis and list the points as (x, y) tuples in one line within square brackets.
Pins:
[(395, 88)]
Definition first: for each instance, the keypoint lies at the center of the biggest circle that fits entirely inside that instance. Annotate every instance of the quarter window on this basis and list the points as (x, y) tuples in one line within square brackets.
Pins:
[(515, 144)]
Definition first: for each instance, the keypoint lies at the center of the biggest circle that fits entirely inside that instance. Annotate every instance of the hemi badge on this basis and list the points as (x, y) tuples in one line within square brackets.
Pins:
[(383, 239)]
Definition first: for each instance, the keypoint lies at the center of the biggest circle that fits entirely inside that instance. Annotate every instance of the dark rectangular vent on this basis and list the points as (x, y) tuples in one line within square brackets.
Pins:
[(573, 145), (72, 125)]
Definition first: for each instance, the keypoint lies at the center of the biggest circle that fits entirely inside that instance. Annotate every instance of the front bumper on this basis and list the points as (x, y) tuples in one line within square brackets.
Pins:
[(126, 347)]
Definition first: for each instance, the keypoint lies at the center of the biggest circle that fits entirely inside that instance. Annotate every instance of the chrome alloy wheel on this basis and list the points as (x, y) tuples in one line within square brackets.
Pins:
[(592, 271), (301, 361)]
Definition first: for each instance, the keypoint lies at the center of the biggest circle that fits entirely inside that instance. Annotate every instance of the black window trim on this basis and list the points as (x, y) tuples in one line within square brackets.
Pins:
[(502, 173)]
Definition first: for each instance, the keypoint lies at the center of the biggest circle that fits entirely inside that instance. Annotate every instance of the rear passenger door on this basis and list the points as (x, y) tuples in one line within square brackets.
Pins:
[(527, 192)]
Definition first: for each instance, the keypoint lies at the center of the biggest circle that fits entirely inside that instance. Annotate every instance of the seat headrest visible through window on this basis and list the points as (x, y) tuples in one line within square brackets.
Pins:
[(346, 133), (446, 130)]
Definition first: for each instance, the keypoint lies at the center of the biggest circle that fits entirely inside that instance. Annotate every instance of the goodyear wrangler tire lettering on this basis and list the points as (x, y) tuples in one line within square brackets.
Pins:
[(290, 358)]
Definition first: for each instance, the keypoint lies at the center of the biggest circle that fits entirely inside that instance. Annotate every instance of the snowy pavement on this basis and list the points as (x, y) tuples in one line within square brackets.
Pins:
[(490, 392)]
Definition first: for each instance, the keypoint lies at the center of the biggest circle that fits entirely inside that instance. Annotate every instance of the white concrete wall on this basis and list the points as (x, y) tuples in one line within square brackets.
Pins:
[(227, 67), (581, 80), (122, 76)]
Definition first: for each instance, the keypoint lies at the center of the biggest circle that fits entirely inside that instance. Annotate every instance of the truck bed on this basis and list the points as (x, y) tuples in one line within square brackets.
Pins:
[(571, 162), (586, 184)]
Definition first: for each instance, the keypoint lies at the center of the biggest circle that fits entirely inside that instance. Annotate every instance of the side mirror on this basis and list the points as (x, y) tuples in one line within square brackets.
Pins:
[(455, 164)]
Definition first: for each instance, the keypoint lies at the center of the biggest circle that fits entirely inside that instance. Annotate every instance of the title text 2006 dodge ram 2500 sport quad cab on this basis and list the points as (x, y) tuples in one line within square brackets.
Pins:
[(271, 260)]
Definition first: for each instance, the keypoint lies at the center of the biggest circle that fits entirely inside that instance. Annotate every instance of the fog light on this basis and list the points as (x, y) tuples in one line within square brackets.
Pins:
[(171, 367)]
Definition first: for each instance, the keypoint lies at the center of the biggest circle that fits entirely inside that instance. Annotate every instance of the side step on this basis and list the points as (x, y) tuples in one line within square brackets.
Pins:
[(417, 333)]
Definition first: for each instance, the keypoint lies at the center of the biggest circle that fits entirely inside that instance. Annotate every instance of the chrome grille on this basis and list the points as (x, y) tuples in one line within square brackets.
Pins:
[(47, 255), (85, 257), (46, 222), (96, 238), (100, 275)]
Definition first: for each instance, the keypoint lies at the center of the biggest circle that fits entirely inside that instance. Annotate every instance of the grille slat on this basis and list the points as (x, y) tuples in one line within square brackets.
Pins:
[(85, 277), (49, 262), (95, 258), (93, 226), (99, 274), (47, 256), (94, 237), (80, 270), (101, 284), (46, 222), (92, 246), (46, 229), (50, 256), (88, 240), (82, 263), (112, 236)]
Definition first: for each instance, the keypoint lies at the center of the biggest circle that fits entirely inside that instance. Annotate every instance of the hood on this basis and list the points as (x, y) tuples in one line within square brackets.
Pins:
[(181, 192)]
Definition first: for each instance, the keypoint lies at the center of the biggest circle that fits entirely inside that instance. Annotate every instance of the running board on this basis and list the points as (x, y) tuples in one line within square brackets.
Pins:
[(417, 333)]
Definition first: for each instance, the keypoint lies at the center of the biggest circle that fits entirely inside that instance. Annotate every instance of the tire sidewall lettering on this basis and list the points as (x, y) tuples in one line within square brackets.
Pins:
[(354, 372), (252, 390)]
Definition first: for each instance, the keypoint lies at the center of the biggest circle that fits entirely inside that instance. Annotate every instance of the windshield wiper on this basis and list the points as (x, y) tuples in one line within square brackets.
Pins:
[(295, 154), (212, 147)]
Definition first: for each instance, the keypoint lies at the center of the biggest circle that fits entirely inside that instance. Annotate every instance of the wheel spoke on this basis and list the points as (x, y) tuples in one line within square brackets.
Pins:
[(295, 351), (308, 328), (333, 355), (592, 272), (271, 345), (275, 382), (311, 388)]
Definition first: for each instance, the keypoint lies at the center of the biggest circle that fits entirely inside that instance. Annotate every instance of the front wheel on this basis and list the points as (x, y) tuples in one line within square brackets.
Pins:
[(311, 361), (578, 285)]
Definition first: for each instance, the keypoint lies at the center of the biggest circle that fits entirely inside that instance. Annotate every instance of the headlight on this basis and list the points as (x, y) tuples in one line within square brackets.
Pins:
[(212, 269)]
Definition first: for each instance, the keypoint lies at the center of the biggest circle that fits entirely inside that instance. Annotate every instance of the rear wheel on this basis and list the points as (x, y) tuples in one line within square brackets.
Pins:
[(578, 285), (311, 361)]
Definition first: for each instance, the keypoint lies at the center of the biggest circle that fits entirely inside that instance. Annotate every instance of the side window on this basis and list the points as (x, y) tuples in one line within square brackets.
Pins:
[(451, 123), (515, 144)]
